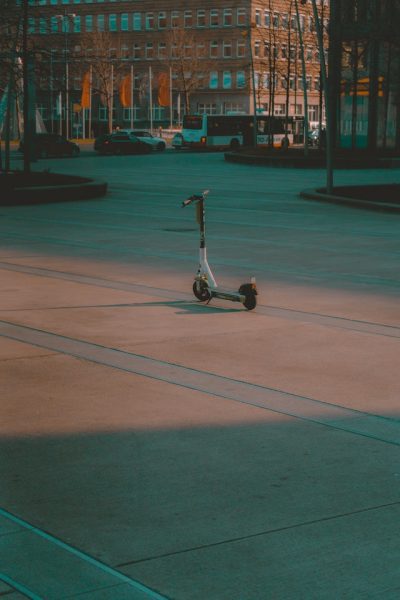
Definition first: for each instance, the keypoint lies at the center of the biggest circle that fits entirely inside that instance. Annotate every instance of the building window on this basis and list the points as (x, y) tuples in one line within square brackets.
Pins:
[(89, 23), (280, 109), (137, 52), (149, 21), (54, 25), (200, 81), (214, 49), (187, 51), (240, 48), (275, 21), (174, 51), (31, 25), (227, 17), (201, 17), (188, 19), (257, 46), (214, 17), (231, 108), (257, 17), (285, 21), (207, 108), (112, 22), (100, 22), (149, 50), (241, 16), (77, 24), (124, 22), (201, 50), (313, 112), (227, 80), (213, 85), (267, 18), (124, 52), (162, 50), (284, 53), (227, 49), (162, 20), (174, 19), (240, 79), (137, 21), (42, 25), (266, 49)]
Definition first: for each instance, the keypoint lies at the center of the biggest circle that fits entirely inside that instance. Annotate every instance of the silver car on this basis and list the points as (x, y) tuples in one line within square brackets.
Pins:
[(157, 143)]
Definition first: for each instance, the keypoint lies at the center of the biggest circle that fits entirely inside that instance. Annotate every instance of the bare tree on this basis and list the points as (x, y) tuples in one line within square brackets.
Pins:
[(106, 68), (186, 61)]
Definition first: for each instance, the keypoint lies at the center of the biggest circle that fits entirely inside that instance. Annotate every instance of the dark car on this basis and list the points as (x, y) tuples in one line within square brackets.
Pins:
[(121, 143), (51, 144)]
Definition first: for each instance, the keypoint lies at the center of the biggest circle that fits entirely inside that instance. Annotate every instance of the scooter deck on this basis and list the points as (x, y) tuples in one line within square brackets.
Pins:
[(225, 294)]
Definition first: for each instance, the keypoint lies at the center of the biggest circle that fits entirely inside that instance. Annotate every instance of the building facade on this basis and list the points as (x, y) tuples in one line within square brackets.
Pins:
[(365, 73), (150, 62)]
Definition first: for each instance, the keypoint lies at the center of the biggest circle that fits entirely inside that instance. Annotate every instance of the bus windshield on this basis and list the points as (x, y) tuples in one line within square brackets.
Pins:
[(192, 122)]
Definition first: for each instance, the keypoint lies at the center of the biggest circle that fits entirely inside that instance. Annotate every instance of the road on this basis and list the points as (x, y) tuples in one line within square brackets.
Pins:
[(205, 452)]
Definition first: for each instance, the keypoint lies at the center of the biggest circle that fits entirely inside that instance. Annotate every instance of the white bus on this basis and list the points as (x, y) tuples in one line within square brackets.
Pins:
[(233, 131)]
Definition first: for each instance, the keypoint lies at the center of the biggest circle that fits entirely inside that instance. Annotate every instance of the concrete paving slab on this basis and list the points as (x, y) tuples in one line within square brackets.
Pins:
[(333, 365), (191, 477), (293, 563), (7, 526), (45, 567), (167, 469)]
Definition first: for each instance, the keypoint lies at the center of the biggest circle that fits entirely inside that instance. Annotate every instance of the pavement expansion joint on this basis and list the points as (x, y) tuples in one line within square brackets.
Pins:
[(179, 297), (66, 561), (377, 427), (261, 533)]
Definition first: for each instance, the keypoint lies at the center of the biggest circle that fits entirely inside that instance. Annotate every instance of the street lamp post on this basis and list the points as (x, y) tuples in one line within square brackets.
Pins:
[(247, 33), (65, 20), (304, 78), (328, 130)]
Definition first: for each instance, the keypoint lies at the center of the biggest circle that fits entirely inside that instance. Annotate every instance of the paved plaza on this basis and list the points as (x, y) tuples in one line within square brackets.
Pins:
[(153, 447)]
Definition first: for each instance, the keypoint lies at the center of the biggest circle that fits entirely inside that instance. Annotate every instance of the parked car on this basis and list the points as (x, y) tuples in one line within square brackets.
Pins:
[(51, 144), (313, 137), (121, 143), (157, 143), (99, 141)]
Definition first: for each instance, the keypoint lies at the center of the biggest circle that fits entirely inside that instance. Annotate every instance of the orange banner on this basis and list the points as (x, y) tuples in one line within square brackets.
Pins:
[(163, 89), (85, 99), (125, 92)]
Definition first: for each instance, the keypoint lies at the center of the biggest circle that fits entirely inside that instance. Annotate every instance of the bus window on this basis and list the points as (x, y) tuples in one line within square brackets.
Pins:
[(192, 122)]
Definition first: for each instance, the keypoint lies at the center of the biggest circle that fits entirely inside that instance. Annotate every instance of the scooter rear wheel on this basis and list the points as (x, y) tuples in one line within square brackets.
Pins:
[(201, 291), (250, 301)]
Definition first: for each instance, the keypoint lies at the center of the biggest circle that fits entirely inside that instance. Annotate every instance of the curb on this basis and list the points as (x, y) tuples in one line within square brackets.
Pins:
[(47, 194), (321, 196), (317, 162)]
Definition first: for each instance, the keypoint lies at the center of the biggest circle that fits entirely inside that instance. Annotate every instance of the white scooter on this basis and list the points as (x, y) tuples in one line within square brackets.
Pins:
[(205, 287)]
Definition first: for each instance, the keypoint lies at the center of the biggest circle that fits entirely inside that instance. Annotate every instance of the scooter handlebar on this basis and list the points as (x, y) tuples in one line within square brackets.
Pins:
[(195, 198)]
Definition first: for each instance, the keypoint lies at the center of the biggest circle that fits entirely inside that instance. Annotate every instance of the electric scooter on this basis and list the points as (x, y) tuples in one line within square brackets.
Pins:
[(205, 287)]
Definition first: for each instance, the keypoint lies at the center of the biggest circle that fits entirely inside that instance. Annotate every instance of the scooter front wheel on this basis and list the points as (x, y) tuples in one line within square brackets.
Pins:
[(201, 291)]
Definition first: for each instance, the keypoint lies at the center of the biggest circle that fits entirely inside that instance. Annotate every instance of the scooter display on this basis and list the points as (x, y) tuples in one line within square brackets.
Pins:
[(205, 286)]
